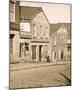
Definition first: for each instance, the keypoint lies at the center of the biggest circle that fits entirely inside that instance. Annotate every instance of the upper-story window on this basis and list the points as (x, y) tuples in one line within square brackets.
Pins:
[(62, 39), (12, 11), (62, 35), (34, 30), (25, 26), (44, 32), (55, 41), (41, 31), (47, 33)]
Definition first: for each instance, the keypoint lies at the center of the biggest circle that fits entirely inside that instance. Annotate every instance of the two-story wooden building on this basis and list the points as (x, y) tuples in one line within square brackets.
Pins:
[(29, 33)]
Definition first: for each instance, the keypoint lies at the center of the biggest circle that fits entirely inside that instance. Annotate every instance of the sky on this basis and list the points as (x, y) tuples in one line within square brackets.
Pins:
[(56, 13)]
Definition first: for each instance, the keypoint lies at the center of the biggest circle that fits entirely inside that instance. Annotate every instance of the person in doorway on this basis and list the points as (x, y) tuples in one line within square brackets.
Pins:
[(48, 59)]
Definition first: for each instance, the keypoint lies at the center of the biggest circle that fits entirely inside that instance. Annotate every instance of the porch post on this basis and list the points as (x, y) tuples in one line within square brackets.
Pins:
[(37, 53)]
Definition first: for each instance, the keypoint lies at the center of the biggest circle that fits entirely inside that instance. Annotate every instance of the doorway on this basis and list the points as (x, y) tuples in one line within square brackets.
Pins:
[(62, 54), (33, 52), (40, 47)]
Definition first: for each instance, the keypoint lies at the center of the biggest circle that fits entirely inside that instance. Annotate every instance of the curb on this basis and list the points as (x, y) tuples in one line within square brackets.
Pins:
[(38, 66)]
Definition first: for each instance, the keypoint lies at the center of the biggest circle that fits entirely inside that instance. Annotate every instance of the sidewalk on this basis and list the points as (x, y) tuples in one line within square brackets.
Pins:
[(23, 66)]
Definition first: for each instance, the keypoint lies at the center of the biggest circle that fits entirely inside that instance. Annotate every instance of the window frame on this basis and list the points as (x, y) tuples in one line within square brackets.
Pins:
[(22, 27), (12, 12)]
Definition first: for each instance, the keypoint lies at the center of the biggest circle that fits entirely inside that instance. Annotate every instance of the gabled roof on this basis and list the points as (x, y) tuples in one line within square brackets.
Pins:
[(29, 12), (62, 30), (55, 27)]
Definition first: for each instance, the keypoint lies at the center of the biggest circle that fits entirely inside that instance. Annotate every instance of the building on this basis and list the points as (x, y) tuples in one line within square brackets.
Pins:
[(59, 42), (33, 38), (29, 34), (14, 31)]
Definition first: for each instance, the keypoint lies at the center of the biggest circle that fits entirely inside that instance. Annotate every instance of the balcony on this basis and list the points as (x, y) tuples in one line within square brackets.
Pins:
[(26, 35)]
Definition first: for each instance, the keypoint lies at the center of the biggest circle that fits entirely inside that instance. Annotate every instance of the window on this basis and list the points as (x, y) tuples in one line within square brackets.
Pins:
[(62, 39), (55, 41), (34, 30), (47, 32), (41, 31), (21, 26), (25, 26), (12, 11)]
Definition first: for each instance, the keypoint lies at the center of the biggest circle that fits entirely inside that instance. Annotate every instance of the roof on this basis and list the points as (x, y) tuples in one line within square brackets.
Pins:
[(30, 12), (55, 27), (62, 30)]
